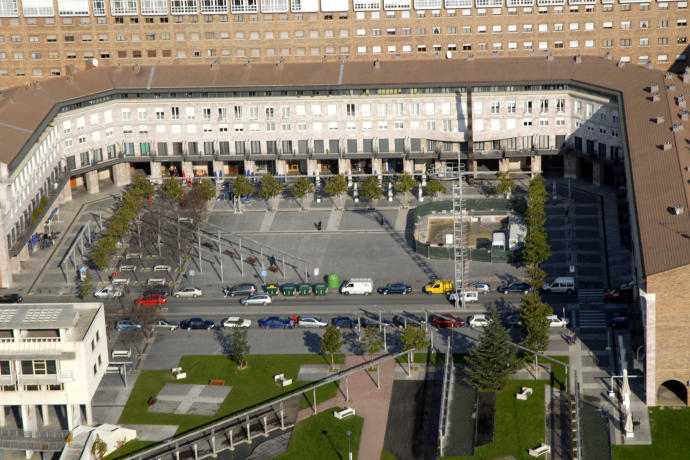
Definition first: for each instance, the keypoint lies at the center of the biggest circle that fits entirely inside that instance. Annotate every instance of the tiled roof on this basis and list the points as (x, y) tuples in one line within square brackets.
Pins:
[(659, 176)]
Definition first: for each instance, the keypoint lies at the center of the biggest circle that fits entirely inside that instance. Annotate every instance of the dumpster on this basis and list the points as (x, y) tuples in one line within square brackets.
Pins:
[(272, 289), (288, 289), (304, 289), (320, 289), (333, 281)]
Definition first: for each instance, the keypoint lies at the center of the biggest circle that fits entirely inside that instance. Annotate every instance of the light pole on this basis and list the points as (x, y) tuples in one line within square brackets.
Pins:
[(349, 449)]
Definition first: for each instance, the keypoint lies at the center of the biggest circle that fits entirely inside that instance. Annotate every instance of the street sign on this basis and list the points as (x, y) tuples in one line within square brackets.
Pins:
[(264, 273)]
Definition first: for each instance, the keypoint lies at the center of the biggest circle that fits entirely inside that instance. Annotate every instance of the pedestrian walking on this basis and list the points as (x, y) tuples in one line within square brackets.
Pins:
[(318, 225)]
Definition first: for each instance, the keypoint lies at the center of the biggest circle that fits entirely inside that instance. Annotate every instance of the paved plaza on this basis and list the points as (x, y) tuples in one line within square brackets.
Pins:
[(180, 398)]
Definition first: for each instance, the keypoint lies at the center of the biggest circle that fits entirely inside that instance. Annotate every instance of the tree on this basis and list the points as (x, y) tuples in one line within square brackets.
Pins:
[(171, 189), (270, 187), (204, 190), (85, 286), (336, 185), (535, 327), (240, 347), (302, 187), (505, 185), (413, 338), (243, 186), (534, 276), (371, 188), (434, 187), (537, 250), (404, 184), (99, 448), (332, 341), (493, 359), (141, 186), (373, 342), (536, 192)]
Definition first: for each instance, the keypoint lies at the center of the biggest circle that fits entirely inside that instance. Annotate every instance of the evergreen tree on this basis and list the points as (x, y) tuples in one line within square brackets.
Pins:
[(493, 359), (537, 249), (505, 185), (535, 327), (240, 347)]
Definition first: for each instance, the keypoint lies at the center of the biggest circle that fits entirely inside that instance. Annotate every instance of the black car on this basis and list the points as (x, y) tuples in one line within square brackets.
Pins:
[(515, 287), (513, 321), (365, 321), (395, 288), (619, 320), (196, 323), (11, 298), (344, 322), (160, 290), (242, 289), (407, 319)]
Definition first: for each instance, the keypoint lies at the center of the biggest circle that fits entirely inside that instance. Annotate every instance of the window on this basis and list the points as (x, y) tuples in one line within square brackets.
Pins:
[(175, 113), (495, 107), (397, 109), (269, 113), (527, 107), (511, 106), (560, 105)]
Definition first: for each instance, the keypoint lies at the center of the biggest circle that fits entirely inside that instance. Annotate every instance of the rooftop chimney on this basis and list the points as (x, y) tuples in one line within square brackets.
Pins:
[(677, 127), (607, 56), (620, 64), (377, 64), (678, 210), (671, 87), (578, 59), (659, 119), (668, 76), (667, 145)]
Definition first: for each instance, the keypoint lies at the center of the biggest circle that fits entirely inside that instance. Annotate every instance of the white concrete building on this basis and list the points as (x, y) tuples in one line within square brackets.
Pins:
[(52, 359)]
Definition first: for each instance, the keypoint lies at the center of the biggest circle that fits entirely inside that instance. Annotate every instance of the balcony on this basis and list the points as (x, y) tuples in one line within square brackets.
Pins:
[(7, 379), (47, 379)]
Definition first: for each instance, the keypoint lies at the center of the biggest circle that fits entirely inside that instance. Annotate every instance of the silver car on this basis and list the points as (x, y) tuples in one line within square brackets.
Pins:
[(163, 324), (256, 299), (188, 292), (236, 321)]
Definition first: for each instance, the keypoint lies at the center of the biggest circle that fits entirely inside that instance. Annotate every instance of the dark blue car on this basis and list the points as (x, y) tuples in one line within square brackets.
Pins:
[(274, 322), (515, 287), (196, 323), (344, 322)]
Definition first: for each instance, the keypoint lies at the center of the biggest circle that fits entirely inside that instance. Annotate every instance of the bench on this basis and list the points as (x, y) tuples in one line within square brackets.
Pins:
[(121, 354), (155, 281), (348, 411), (133, 255), (161, 268), (128, 268), (121, 281), (175, 370), (178, 373), (216, 382), (281, 380), (112, 370), (524, 394), (541, 450)]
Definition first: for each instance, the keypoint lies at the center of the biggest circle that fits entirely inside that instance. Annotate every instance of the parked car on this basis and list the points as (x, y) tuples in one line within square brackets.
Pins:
[(365, 321), (311, 321), (447, 320), (344, 322), (619, 320), (127, 325), (197, 323), (256, 299), (478, 320), (468, 296), (160, 290), (163, 324), (407, 319), (246, 289), (513, 321), (395, 288), (274, 322), (482, 288), (562, 284), (236, 321), (11, 298), (109, 292), (515, 287), (151, 300), (188, 292), (555, 321), (618, 296)]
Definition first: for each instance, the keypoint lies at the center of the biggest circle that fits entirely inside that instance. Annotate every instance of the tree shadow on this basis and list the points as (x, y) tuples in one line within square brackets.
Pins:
[(312, 341)]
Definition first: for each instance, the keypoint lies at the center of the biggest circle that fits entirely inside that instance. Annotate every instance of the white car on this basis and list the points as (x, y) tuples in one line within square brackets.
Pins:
[(236, 321), (479, 320), (311, 321), (188, 292), (555, 321), (256, 299), (163, 324), (482, 288), (109, 292)]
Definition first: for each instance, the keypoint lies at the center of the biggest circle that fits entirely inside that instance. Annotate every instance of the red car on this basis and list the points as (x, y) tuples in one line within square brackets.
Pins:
[(447, 321), (151, 300), (618, 296)]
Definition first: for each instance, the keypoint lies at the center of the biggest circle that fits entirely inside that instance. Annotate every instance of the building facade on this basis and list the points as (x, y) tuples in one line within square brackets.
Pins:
[(43, 38), (52, 359)]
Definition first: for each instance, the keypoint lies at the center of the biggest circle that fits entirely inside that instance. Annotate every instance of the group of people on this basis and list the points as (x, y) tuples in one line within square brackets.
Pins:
[(226, 291)]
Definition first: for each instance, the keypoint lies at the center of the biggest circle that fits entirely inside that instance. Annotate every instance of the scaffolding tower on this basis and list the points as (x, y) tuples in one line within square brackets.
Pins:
[(460, 240)]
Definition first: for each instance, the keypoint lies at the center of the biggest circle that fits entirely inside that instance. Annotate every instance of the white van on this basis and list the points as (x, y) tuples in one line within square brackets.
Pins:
[(469, 296), (561, 284), (358, 286)]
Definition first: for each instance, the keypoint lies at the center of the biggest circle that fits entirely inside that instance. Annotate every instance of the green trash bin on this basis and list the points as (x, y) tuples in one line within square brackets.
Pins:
[(320, 289), (304, 289), (333, 281), (288, 289), (272, 289)]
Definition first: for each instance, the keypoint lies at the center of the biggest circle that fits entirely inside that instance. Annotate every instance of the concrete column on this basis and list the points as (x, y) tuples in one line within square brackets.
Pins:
[(376, 165), (475, 168), (3, 421), (597, 173), (249, 165), (312, 167), (187, 169), (91, 178), (569, 166), (156, 171), (504, 165), (281, 167), (535, 163), (218, 167), (344, 166), (89, 414), (45, 414), (29, 422), (408, 166), (65, 194), (122, 174), (5, 264), (70, 417)]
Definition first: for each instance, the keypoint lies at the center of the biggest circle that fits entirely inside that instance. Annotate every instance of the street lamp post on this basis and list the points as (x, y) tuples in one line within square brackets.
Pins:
[(349, 449)]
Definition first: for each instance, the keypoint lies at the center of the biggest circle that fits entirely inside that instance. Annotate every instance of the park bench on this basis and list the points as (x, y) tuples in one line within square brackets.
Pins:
[(133, 255), (121, 281), (155, 281), (161, 268), (281, 380), (348, 411), (541, 450), (128, 268), (216, 382), (112, 370), (178, 373), (524, 394), (121, 354)]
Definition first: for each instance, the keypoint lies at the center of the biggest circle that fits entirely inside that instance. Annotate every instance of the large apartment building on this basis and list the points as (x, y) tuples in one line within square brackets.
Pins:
[(43, 38)]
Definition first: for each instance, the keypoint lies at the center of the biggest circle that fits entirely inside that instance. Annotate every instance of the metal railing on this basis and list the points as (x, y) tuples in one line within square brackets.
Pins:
[(446, 394), (36, 446), (40, 434)]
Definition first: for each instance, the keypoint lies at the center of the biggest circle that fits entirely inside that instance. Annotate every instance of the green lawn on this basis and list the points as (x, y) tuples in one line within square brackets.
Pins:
[(670, 438), (385, 455), (323, 437), (131, 446), (250, 387), (323, 393)]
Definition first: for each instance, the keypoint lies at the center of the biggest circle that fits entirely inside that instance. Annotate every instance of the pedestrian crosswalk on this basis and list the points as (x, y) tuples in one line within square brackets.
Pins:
[(592, 319), (590, 295)]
